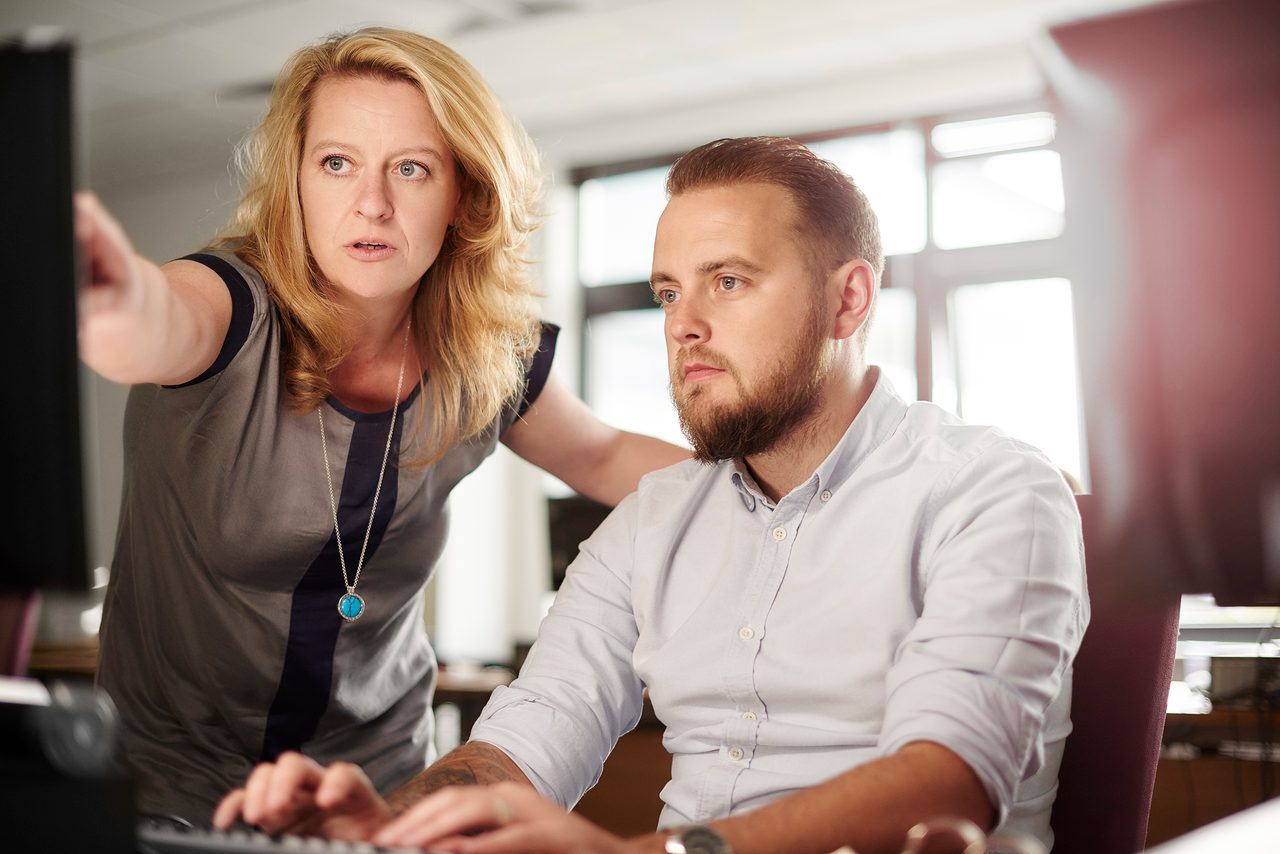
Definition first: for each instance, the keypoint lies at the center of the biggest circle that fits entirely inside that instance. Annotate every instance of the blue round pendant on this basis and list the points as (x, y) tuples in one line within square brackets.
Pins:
[(351, 607)]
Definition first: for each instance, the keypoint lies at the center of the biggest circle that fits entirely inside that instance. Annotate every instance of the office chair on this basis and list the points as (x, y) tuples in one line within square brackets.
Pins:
[(1119, 695)]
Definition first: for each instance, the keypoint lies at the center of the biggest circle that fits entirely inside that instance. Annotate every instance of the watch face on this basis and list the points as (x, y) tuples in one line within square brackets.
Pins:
[(697, 840)]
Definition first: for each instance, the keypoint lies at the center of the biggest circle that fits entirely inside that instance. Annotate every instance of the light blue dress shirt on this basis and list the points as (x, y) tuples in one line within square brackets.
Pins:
[(926, 583)]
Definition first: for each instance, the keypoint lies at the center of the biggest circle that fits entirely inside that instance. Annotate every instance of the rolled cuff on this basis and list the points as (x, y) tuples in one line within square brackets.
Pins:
[(977, 718)]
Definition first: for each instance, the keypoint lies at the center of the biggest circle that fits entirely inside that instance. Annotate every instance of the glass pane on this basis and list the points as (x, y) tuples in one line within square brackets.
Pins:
[(1004, 198), (1225, 654), (617, 218), (889, 168), (627, 384), (1257, 627), (1016, 359), (891, 344), (1003, 133)]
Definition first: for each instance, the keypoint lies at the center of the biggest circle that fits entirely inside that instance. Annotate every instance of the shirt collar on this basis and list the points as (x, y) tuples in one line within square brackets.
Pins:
[(874, 423)]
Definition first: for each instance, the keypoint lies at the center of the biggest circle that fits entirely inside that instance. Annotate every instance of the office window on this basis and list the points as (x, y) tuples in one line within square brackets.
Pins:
[(1016, 363), (626, 375), (891, 343), (973, 314), (1002, 198), (889, 169), (1001, 133), (617, 216)]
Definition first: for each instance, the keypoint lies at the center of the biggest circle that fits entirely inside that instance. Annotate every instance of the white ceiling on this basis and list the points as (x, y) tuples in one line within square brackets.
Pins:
[(168, 86)]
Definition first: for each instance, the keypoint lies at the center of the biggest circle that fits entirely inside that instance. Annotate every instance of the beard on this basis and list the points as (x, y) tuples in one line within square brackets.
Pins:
[(772, 410)]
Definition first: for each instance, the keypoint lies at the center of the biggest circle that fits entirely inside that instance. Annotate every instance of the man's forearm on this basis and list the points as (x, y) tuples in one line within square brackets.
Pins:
[(474, 763), (869, 808)]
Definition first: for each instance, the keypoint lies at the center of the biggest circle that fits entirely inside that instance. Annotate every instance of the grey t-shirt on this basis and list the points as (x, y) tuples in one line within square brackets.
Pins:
[(221, 640)]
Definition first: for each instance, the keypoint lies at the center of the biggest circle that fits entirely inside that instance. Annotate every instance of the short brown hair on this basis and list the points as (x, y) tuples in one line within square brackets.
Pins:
[(836, 221)]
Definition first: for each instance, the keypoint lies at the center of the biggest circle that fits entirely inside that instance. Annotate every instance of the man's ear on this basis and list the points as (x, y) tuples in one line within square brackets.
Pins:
[(856, 286)]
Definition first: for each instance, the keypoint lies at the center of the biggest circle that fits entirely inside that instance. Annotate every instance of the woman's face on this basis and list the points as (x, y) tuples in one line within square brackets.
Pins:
[(378, 187)]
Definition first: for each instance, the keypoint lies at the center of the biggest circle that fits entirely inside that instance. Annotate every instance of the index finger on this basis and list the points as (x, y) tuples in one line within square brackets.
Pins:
[(228, 809), (103, 243), (289, 792)]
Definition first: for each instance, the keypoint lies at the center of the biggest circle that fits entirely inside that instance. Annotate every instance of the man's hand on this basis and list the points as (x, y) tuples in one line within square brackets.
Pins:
[(295, 795), (504, 817)]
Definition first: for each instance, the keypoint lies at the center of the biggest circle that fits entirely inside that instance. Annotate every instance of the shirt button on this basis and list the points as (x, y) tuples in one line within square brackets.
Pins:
[(736, 754), (748, 716), (746, 633), (826, 495), (779, 534)]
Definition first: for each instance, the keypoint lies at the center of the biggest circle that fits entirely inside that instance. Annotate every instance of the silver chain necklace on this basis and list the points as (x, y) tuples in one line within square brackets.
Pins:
[(351, 604)]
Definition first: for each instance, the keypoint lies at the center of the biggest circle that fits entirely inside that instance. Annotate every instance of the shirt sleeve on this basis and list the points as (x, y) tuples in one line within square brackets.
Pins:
[(1004, 610), (578, 691), (243, 300), (535, 379)]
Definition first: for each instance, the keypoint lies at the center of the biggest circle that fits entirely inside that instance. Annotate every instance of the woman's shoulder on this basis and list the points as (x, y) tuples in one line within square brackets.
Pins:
[(240, 277), (251, 307)]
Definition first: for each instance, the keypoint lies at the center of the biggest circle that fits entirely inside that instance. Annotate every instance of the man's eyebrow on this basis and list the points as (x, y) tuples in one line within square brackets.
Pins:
[(729, 262), (736, 262)]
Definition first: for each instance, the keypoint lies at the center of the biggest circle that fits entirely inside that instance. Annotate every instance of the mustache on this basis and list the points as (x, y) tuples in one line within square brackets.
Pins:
[(701, 354)]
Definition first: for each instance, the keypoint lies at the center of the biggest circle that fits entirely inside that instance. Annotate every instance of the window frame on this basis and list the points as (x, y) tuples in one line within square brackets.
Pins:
[(932, 273)]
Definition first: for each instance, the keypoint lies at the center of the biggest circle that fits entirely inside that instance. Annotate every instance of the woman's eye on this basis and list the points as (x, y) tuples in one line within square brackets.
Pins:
[(335, 163), (409, 169)]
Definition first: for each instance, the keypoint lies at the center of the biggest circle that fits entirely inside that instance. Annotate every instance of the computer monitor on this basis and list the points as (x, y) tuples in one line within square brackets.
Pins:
[(43, 544), (1169, 121)]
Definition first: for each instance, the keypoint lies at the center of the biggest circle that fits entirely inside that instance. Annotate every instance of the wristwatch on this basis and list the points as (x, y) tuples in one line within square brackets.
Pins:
[(696, 839)]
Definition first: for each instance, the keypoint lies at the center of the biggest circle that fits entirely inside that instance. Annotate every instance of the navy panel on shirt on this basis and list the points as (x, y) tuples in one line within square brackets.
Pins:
[(314, 623)]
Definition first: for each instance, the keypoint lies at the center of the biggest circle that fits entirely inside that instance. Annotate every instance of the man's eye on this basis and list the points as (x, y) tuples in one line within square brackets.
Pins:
[(665, 296), (729, 283)]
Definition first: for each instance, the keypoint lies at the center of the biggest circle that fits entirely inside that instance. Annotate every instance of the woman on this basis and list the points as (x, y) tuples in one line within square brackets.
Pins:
[(280, 515)]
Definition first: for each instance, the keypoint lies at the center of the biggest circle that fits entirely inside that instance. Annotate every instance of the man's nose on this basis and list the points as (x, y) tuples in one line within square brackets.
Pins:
[(687, 320)]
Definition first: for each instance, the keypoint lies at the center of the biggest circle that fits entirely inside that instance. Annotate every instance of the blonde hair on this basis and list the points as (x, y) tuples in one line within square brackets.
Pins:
[(474, 316)]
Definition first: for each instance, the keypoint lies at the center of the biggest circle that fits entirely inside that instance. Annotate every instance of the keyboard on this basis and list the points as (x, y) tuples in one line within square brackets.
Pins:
[(169, 840)]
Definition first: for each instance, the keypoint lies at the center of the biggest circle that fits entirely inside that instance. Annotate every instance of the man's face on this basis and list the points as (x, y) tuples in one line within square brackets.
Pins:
[(748, 336)]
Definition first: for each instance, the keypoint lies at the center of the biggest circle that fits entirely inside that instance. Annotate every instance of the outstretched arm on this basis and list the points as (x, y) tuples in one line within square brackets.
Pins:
[(560, 435), (140, 323)]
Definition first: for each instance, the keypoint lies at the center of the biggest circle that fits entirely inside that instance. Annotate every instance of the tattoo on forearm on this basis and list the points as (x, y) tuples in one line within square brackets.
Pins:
[(470, 765)]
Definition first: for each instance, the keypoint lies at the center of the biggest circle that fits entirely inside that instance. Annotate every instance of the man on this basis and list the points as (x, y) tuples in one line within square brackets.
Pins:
[(851, 613)]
